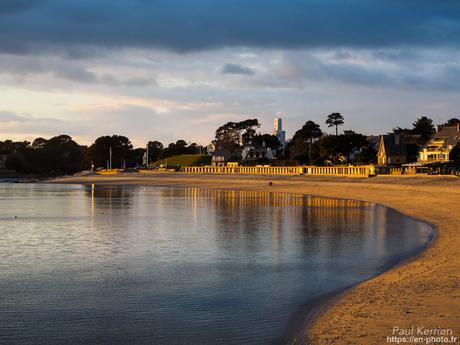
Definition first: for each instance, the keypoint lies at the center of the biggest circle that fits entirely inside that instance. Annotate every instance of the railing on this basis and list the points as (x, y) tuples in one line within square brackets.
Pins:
[(344, 170), (362, 170), (249, 170)]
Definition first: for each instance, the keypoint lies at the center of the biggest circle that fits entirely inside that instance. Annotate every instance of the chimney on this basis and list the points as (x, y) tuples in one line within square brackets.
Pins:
[(397, 137), (437, 128)]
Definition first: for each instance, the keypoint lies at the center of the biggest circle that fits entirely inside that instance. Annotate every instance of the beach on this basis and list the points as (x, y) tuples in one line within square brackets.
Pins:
[(421, 292)]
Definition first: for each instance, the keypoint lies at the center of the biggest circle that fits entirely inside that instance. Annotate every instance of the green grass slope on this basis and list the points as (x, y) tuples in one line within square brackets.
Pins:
[(183, 160)]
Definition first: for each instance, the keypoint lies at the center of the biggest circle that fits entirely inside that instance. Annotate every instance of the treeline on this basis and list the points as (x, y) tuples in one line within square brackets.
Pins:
[(58, 155), (309, 145), (424, 127), (62, 155)]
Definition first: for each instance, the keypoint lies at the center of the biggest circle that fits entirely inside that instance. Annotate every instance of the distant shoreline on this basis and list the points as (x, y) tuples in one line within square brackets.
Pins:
[(420, 291)]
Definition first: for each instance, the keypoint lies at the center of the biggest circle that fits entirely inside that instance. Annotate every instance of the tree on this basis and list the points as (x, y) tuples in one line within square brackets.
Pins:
[(309, 131), (99, 152), (302, 152), (39, 143), (181, 144), (62, 155), (19, 156), (58, 155), (399, 130), (269, 140), (236, 134), (424, 127), (136, 157), (453, 122), (339, 148), (8, 147), (332, 149), (335, 120), (178, 148), (155, 150)]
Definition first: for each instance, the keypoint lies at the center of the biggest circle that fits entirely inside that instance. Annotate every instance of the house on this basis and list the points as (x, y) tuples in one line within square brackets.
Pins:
[(443, 146), (210, 148), (396, 149), (251, 154), (220, 157)]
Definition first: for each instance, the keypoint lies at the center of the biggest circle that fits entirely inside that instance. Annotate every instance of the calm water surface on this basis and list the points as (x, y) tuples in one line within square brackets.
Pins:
[(137, 265)]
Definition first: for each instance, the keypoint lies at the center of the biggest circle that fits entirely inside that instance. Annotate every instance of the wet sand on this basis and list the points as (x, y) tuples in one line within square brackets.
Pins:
[(424, 291)]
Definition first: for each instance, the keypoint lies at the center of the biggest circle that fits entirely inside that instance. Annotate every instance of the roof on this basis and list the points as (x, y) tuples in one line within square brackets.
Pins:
[(393, 149), (260, 150), (221, 153), (451, 135), (401, 145)]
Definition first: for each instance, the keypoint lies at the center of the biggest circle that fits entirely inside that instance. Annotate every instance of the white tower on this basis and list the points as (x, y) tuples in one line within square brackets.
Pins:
[(278, 131)]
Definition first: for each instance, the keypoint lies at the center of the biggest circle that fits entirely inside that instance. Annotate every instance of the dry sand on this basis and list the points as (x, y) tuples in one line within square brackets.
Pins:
[(424, 291)]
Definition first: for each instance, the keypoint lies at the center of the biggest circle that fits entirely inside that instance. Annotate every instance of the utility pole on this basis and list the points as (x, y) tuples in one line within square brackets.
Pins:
[(110, 158)]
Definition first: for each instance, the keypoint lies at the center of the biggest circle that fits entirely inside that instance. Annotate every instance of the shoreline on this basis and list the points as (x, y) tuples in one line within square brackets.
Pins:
[(318, 306), (366, 312)]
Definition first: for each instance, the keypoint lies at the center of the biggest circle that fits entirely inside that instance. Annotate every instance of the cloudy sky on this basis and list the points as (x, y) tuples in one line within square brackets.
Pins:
[(177, 69)]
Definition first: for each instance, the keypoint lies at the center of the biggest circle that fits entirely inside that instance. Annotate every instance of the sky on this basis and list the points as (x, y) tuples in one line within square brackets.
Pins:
[(178, 69)]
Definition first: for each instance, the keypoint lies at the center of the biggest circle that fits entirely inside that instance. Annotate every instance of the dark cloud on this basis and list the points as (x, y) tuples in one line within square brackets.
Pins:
[(185, 25), (25, 66), (14, 6), (232, 68), (423, 71)]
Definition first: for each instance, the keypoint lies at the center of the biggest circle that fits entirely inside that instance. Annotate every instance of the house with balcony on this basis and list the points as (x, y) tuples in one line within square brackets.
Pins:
[(443, 146)]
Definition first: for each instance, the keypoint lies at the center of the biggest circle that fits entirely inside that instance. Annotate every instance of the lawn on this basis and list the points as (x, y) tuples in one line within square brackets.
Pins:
[(183, 160)]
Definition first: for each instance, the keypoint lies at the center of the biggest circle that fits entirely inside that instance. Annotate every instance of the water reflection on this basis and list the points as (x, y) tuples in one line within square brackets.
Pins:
[(142, 265)]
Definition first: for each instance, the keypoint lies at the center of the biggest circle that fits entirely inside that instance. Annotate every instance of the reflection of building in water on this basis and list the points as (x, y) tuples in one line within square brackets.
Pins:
[(251, 220), (255, 198), (249, 216), (237, 214), (317, 210)]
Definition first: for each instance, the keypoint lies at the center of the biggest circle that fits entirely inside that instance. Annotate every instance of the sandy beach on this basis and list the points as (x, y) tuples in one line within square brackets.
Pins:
[(423, 292)]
